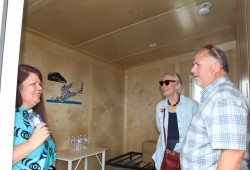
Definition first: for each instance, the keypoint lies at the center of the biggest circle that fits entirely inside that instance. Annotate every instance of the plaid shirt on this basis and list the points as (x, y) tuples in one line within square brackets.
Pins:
[(220, 123)]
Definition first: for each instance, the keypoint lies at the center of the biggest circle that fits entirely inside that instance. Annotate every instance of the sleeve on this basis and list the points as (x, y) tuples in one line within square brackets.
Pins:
[(227, 126), (157, 119)]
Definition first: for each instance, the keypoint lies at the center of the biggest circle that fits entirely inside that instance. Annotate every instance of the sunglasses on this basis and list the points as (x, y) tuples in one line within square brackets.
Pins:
[(212, 50), (166, 82)]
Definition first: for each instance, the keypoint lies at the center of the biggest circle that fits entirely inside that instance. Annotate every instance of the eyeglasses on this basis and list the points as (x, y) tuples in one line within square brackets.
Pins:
[(218, 54), (212, 50), (166, 82)]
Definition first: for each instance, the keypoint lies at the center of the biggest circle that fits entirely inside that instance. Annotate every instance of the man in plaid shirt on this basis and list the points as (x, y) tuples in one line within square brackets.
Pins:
[(217, 136)]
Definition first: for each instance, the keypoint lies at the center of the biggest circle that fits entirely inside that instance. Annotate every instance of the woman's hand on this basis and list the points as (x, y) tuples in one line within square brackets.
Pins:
[(40, 134)]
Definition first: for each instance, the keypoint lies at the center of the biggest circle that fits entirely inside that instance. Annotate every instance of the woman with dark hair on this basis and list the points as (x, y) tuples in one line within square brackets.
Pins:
[(173, 116), (33, 148)]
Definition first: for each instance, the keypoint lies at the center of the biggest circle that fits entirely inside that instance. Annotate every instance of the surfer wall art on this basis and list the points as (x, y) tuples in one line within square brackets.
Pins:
[(68, 91)]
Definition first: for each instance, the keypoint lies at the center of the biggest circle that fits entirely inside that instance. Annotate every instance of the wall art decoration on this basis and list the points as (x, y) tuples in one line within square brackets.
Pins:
[(68, 90), (57, 77)]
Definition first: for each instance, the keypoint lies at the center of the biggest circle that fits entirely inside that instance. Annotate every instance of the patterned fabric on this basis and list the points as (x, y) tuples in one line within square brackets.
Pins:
[(220, 123), (184, 111), (40, 159)]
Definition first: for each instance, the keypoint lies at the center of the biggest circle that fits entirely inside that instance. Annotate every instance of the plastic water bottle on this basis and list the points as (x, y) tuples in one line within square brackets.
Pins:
[(78, 143), (81, 142), (34, 118), (72, 143), (85, 141)]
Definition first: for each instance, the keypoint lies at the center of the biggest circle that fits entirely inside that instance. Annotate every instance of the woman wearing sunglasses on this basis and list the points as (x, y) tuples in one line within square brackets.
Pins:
[(173, 115)]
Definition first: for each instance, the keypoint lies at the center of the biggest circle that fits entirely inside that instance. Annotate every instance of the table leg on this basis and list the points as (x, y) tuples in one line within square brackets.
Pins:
[(103, 160), (69, 165), (86, 163)]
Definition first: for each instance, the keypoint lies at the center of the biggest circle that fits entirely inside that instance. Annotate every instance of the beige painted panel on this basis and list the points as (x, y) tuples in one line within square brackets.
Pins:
[(120, 32), (167, 28), (75, 22), (185, 72), (107, 116), (243, 47), (243, 39), (143, 93), (102, 97), (178, 48), (232, 59)]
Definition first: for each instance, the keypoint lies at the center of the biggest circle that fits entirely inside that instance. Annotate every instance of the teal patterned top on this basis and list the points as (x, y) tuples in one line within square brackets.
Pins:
[(40, 159)]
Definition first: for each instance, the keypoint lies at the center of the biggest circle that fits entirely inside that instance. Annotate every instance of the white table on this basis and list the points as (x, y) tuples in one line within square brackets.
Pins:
[(69, 156)]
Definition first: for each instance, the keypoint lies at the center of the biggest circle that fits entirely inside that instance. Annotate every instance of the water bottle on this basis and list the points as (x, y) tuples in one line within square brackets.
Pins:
[(72, 143), (78, 143), (85, 141), (81, 142), (34, 118)]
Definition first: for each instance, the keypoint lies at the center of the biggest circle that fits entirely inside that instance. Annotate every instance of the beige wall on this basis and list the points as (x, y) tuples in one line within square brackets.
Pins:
[(118, 110), (243, 46), (100, 115)]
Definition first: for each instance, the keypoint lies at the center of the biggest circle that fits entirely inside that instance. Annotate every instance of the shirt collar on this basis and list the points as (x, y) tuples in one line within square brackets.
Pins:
[(207, 90), (21, 109)]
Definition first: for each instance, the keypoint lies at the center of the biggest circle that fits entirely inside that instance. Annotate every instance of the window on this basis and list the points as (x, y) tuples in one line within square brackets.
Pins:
[(194, 90)]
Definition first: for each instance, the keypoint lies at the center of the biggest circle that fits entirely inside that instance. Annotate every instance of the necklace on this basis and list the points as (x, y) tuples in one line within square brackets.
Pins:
[(173, 105)]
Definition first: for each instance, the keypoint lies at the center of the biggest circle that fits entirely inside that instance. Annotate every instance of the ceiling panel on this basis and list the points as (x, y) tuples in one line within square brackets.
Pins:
[(119, 32), (177, 48)]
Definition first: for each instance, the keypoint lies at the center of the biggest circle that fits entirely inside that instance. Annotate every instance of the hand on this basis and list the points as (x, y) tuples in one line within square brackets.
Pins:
[(40, 134)]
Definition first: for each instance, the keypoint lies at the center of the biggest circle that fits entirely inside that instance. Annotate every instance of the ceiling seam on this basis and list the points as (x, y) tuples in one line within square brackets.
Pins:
[(173, 43), (135, 24), (65, 44)]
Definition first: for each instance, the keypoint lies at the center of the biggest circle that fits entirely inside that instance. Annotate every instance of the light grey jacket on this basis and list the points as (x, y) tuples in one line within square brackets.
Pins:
[(185, 110)]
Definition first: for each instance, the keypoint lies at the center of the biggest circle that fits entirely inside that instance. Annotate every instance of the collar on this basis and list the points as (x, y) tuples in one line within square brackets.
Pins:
[(209, 89)]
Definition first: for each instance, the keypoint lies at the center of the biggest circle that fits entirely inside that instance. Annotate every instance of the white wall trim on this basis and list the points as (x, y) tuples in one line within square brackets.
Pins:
[(11, 47)]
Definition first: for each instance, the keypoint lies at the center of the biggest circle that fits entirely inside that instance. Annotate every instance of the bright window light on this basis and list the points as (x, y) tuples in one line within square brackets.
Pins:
[(195, 90), (197, 93)]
